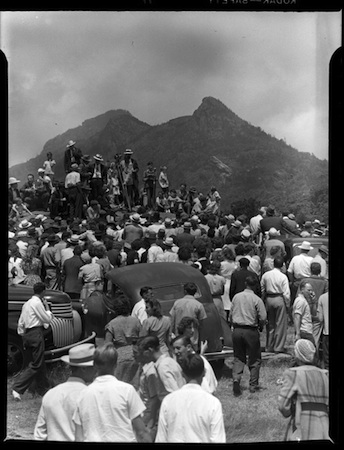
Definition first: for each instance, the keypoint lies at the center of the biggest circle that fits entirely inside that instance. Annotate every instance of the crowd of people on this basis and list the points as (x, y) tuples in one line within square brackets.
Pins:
[(151, 381)]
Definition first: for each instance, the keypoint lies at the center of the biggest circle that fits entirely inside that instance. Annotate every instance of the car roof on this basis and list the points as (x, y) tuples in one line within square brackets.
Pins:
[(135, 276)]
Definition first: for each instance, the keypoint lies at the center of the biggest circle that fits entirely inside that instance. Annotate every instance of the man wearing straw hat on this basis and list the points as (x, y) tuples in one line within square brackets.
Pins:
[(54, 422), (129, 170), (71, 155), (299, 268), (98, 177), (13, 191)]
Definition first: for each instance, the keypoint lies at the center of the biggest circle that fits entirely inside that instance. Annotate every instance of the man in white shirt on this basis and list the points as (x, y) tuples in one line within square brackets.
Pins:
[(54, 421), (322, 257), (191, 415), (73, 177), (139, 309), (276, 293), (154, 249), (299, 267), (170, 252), (34, 317), (182, 346), (302, 313), (109, 410)]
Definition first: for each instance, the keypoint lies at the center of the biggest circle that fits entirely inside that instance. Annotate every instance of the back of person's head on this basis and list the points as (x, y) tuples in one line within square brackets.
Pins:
[(251, 282), (190, 288), (65, 235), (240, 249), (184, 253), (278, 262), (144, 290), (315, 268), (214, 267), (100, 251), (244, 262), (108, 242), (39, 287), (92, 250), (148, 342), (201, 251), (122, 306), (192, 365), (105, 359), (185, 323), (228, 254), (77, 250)]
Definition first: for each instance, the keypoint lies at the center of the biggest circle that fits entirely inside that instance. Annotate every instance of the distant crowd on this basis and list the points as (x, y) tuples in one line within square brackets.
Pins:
[(69, 235)]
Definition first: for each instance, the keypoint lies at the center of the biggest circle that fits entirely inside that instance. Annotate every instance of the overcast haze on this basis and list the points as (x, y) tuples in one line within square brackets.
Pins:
[(271, 69)]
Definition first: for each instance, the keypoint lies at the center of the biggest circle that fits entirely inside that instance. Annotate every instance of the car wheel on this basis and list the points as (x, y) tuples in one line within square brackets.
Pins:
[(15, 355)]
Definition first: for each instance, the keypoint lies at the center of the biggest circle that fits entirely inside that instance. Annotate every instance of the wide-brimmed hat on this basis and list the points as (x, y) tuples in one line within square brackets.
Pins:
[(86, 158), (135, 217), (236, 223), (273, 232), (323, 249), (305, 246), (74, 239), (94, 202), (168, 220), (13, 180), (40, 170), (70, 143), (316, 221), (169, 242), (53, 238), (245, 233), (270, 209), (187, 225), (304, 351), (308, 224), (151, 235), (291, 216), (80, 355), (98, 157), (195, 219), (22, 233), (24, 224), (128, 151), (192, 189), (74, 166), (230, 217)]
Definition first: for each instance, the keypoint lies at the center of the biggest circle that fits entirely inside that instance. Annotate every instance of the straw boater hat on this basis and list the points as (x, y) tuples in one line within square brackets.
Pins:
[(128, 151), (236, 223), (187, 225), (40, 170), (135, 217), (305, 246), (70, 143), (323, 249), (13, 180), (195, 219), (245, 233), (86, 158), (291, 216), (80, 355), (24, 224), (169, 242), (98, 157), (74, 239), (273, 232)]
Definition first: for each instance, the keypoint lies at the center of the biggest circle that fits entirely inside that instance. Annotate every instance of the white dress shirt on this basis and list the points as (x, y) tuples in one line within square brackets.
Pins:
[(54, 422), (300, 266), (139, 311), (191, 415), (72, 178), (275, 282), (33, 314)]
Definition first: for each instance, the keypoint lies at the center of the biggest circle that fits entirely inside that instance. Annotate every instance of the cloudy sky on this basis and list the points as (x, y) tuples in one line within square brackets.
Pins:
[(270, 68)]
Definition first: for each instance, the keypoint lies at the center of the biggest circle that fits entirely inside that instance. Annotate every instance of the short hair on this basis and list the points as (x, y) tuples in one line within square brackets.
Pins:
[(77, 250), (144, 290), (122, 305), (147, 342), (192, 365), (244, 262), (315, 268), (181, 337), (39, 287), (190, 288), (105, 358), (278, 262), (201, 250), (100, 251), (251, 281), (184, 253), (185, 322)]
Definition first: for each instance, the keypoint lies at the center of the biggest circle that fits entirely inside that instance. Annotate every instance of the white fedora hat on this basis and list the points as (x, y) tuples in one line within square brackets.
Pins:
[(128, 151), (13, 180), (305, 246), (24, 224), (70, 143), (98, 157), (80, 355)]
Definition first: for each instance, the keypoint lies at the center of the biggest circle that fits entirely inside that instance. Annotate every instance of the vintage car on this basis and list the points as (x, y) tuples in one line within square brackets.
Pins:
[(65, 331), (167, 281), (292, 245)]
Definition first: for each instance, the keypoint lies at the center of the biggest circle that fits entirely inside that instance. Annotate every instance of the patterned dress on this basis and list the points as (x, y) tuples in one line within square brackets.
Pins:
[(32, 269), (304, 397)]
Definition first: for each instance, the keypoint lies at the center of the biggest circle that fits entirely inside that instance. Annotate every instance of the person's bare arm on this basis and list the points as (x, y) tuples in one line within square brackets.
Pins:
[(142, 433)]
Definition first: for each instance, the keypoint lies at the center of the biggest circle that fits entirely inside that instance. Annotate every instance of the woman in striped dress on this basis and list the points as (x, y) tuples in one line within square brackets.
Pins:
[(304, 396)]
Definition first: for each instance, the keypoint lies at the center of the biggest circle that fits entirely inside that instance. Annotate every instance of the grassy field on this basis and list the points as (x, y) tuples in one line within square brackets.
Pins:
[(252, 417)]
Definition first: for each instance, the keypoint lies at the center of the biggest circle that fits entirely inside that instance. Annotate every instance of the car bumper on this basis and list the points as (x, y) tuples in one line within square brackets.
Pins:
[(51, 356), (226, 352)]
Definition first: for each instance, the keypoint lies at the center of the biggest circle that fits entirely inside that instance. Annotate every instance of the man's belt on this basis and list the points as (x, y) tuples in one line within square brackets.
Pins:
[(34, 328), (274, 294), (313, 406), (248, 327)]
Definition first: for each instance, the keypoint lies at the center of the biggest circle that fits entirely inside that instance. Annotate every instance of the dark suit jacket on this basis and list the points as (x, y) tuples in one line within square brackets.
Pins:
[(103, 171), (70, 272), (238, 282), (276, 222), (76, 152)]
